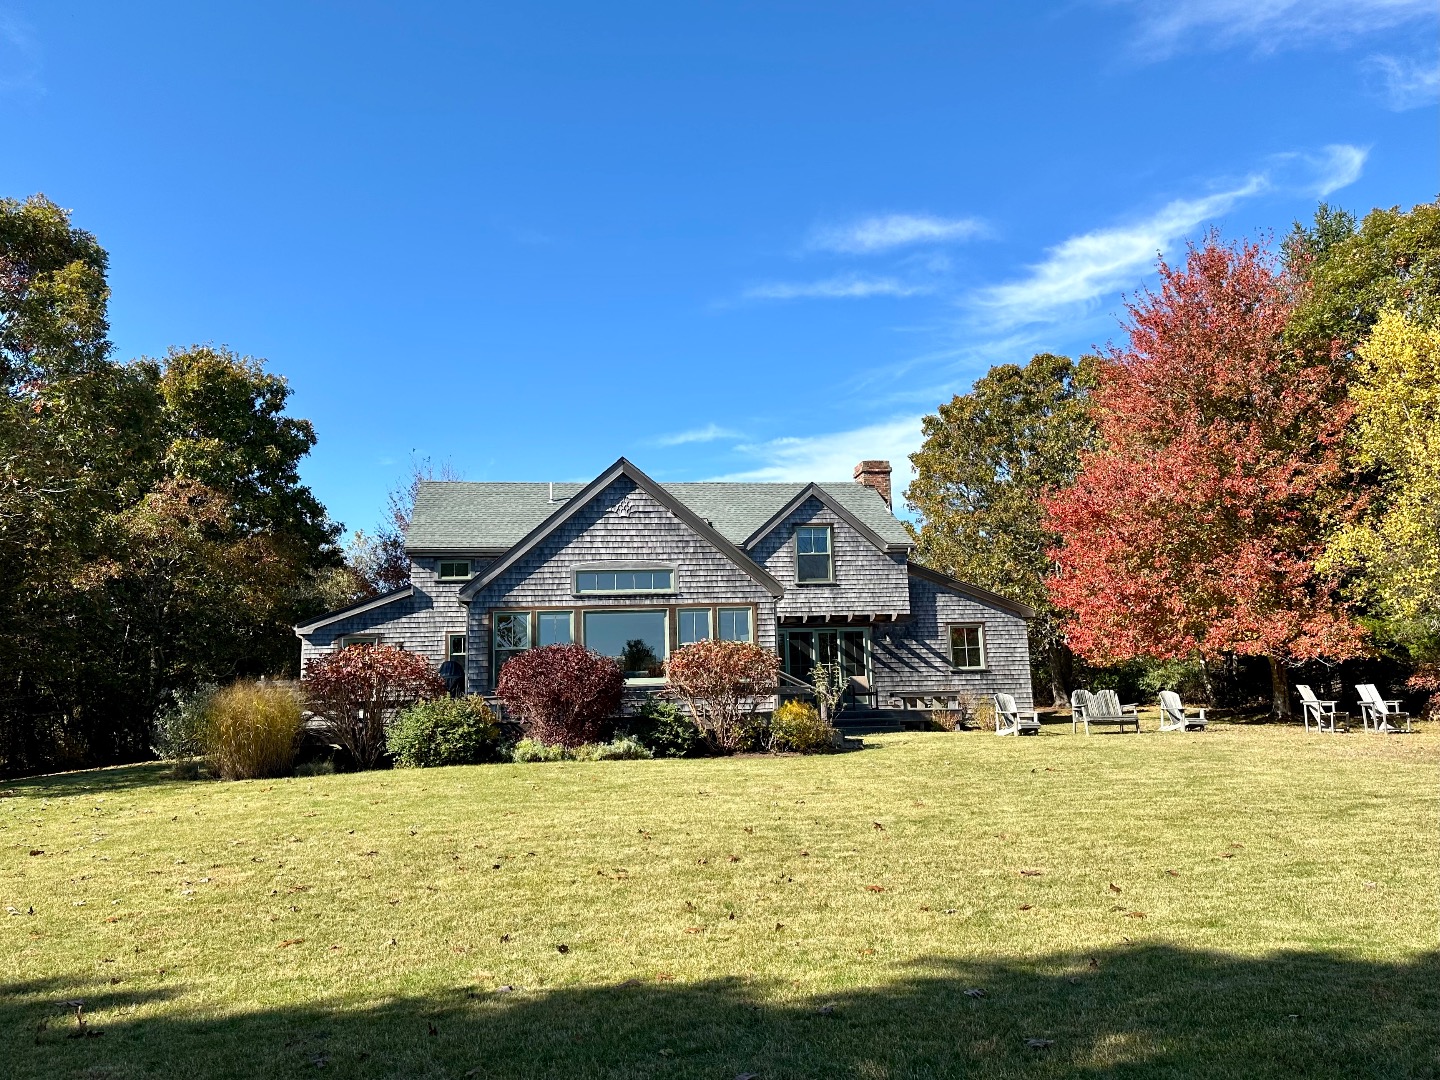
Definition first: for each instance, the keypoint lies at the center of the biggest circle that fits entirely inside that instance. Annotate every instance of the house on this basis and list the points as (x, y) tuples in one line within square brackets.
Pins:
[(634, 569)]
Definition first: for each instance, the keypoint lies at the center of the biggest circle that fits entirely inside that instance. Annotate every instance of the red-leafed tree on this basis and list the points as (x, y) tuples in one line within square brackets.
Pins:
[(1193, 531), (355, 691), (565, 694)]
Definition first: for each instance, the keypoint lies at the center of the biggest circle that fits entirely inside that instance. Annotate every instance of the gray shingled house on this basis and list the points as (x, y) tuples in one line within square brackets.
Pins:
[(635, 569)]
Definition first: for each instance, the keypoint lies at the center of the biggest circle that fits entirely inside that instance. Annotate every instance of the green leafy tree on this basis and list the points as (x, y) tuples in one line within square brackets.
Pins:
[(987, 458)]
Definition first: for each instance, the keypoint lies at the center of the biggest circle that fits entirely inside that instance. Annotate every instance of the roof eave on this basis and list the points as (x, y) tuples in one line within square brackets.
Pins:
[(815, 491), (357, 608), (975, 592)]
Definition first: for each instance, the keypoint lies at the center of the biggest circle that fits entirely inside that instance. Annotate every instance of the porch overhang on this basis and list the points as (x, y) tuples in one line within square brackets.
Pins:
[(857, 618)]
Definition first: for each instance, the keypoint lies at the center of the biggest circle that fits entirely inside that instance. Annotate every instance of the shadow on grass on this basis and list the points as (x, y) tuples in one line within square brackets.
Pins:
[(106, 781), (1135, 1012)]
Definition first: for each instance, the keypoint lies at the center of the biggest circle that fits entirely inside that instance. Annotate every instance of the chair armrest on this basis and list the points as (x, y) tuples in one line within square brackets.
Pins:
[(1395, 703)]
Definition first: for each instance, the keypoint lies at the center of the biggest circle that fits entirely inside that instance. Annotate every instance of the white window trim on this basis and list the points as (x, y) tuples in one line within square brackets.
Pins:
[(749, 621), (672, 590), (440, 575), (830, 552), (569, 613), (950, 628), (712, 621), (346, 640)]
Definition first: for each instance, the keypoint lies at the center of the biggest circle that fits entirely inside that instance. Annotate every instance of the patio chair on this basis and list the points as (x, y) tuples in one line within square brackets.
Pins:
[(1010, 720), (1376, 711), (1173, 716), (1105, 708), (1079, 702), (1312, 708)]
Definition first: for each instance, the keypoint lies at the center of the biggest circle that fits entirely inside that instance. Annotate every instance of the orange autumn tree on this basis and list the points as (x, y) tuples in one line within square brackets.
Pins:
[(1192, 532)]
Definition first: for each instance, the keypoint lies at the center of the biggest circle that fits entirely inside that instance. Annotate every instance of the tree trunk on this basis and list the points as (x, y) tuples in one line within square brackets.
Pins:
[(1060, 664), (1280, 689)]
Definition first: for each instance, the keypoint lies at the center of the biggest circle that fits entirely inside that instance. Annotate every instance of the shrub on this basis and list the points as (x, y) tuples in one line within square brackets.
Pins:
[(251, 730), (723, 683), (563, 694), (535, 750), (620, 748), (665, 728), (179, 729), (355, 691), (445, 731), (315, 768), (797, 726)]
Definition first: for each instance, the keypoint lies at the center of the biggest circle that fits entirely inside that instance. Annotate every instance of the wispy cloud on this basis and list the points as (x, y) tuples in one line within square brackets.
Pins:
[(1406, 83), (19, 57), (889, 231), (847, 287), (708, 433), (1267, 25), (832, 456), (1084, 268)]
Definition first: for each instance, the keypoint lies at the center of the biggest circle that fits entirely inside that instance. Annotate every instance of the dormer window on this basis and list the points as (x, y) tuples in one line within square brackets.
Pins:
[(454, 569), (813, 561)]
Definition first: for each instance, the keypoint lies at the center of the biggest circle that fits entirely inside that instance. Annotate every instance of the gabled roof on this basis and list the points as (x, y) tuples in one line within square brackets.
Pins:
[(356, 608), (487, 519), (975, 592), (576, 501), (815, 491)]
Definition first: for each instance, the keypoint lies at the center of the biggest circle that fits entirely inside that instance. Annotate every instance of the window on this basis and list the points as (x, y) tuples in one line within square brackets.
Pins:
[(454, 569), (694, 625), (637, 639), (556, 628), (812, 554), (455, 648), (359, 639), (801, 650), (735, 624), (625, 581), (511, 636), (967, 646)]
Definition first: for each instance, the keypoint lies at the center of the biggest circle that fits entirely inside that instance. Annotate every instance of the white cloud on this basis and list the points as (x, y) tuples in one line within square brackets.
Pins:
[(1267, 25), (1084, 268), (709, 433), (1406, 83), (847, 287), (19, 56), (833, 456), (889, 231)]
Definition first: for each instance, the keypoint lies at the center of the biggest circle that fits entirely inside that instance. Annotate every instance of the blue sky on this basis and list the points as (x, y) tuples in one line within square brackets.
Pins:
[(725, 240)]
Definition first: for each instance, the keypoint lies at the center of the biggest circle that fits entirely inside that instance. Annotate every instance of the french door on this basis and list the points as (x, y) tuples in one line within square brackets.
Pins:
[(801, 650)]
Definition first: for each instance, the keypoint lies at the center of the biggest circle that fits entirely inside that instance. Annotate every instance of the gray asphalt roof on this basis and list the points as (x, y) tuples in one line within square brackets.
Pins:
[(464, 516)]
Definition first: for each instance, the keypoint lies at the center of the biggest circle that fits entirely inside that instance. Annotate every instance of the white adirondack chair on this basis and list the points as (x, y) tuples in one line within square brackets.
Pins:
[(1105, 708), (1376, 712), (1312, 708), (1010, 720), (1079, 702), (1173, 716)]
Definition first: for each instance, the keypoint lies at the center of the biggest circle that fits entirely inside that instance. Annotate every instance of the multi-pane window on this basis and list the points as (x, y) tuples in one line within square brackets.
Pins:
[(967, 647), (454, 569), (555, 628), (694, 625), (455, 648), (511, 635), (735, 624), (812, 554), (359, 639), (625, 581)]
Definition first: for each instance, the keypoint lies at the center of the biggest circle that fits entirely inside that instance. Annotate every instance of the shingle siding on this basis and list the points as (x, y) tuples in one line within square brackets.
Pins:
[(622, 524), (914, 657), (867, 580)]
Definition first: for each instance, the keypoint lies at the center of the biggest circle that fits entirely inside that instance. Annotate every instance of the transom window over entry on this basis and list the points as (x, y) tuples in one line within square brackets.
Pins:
[(812, 554), (656, 580)]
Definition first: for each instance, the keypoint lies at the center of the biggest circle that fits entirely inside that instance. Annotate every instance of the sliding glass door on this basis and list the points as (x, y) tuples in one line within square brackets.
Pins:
[(801, 650)]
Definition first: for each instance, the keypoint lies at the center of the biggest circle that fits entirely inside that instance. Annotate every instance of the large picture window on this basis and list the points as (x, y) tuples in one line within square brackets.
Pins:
[(813, 559), (967, 647), (637, 639), (511, 636), (612, 582)]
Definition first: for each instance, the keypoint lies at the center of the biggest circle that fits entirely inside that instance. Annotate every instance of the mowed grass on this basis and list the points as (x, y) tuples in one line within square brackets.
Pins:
[(1247, 902)]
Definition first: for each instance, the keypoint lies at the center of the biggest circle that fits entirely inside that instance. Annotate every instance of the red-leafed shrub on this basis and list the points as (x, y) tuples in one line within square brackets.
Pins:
[(563, 694), (723, 683), (356, 690)]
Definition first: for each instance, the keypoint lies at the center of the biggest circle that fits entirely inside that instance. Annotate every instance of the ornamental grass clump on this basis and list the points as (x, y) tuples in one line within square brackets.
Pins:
[(355, 692), (251, 730), (564, 695), (723, 683), (797, 727)]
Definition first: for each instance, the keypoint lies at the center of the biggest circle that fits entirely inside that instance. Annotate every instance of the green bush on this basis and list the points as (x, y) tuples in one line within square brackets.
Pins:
[(179, 730), (444, 731), (252, 730), (796, 726), (535, 750), (666, 729), (621, 748)]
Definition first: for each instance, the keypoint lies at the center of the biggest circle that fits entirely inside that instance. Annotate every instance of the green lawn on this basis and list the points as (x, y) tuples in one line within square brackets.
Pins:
[(1248, 902)]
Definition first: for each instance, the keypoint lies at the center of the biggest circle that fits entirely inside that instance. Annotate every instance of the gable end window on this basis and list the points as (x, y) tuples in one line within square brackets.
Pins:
[(624, 582), (454, 569), (967, 647), (813, 558)]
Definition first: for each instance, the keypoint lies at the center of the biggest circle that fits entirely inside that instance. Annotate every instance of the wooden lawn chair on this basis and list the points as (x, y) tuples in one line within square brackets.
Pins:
[(1173, 716), (1376, 711), (1010, 720), (1079, 702), (1105, 708), (1312, 708)]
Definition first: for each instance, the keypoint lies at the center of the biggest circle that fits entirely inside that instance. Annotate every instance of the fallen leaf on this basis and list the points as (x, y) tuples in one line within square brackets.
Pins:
[(828, 1009), (747, 1076), (779, 926), (289, 941), (664, 976), (879, 826), (1173, 873), (1024, 907), (975, 992), (1135, 914), (562, 948), (37, 851), (1039, 1044), (867, 952), (506, 989), (504, 938), (694, 929), (1094, 964), (433, 1031), (1371, 884), (1114, 888), (874, 888)]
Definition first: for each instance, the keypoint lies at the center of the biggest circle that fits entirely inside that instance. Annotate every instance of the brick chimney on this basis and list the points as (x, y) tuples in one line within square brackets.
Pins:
[(875, 474)]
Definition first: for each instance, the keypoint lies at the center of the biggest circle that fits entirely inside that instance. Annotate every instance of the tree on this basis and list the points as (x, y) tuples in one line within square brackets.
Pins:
[(357, 691), (1193, 530), (723, 683), (380, 560), (988, 458), (563, 694)]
